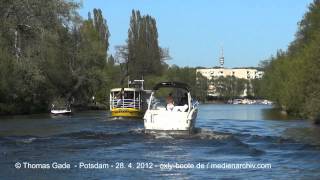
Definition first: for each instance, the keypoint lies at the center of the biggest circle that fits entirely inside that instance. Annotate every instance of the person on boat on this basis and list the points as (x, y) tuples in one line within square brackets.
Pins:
[(170, 102), (128, 99), (118, 99), (132, 100)]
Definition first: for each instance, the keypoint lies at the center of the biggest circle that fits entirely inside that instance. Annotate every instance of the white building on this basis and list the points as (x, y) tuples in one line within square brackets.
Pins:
[(241, 73)]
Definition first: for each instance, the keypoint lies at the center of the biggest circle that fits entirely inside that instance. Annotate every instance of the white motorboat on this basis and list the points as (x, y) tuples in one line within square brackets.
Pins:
[(175, 114), (61, 110)]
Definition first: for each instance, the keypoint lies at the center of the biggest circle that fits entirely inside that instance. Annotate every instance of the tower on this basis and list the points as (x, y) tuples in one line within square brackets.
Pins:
[(221, 59)]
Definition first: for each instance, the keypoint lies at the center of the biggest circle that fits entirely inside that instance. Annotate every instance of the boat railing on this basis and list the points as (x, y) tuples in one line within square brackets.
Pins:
[(195, 104), (125, 103)]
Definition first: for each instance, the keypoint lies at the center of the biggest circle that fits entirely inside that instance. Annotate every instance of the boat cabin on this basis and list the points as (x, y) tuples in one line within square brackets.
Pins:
[(125, 98)]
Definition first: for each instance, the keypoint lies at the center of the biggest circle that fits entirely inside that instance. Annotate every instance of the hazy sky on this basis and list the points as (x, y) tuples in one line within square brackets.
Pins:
[(194, 30)]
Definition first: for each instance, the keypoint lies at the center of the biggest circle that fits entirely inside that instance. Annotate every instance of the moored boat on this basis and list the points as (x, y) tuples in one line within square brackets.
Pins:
[(61, 110)]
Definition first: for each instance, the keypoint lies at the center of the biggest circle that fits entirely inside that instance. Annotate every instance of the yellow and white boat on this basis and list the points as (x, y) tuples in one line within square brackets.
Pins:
[(128, 102)]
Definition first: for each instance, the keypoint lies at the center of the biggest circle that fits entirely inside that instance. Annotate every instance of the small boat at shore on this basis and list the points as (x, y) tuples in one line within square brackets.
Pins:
[(61, 110), (250, 101), (176, 114)]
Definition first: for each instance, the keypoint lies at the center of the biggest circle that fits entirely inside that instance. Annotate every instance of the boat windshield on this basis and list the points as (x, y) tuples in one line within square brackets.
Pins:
[(60, 108), (170, 99)]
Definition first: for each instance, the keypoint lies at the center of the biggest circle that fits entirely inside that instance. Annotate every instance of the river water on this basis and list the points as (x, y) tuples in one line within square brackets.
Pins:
[(228, 139)]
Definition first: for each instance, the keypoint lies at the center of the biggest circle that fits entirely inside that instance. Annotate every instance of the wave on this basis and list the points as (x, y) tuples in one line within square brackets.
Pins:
[(226, 143), (209, 134), (162, 135), (20, 139), (214, 142), (102, 135)]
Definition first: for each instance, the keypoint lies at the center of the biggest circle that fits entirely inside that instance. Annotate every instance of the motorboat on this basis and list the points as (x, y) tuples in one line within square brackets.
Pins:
[(129, 102), (175, 114), (61, 110)]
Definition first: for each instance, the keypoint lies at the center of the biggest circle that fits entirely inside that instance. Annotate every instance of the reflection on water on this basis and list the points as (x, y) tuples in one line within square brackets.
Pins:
[(225, 133), (310, 135), (275, 114)]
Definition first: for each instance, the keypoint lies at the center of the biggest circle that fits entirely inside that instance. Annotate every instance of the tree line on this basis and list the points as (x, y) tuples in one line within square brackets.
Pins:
[(50, 54), (292, 77), (230, 87)]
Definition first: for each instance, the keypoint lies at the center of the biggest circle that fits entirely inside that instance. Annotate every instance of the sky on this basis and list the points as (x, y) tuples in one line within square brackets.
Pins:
[(195, 30)]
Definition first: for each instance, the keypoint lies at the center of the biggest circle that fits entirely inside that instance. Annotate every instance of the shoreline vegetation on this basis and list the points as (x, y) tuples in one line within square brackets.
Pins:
[(48, 52), (292, 77)]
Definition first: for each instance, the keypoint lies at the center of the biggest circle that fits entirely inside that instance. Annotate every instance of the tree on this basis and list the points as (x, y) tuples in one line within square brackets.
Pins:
[(229, 87), (292, 78), (145, 56), (27, 28), (201, 87), (48, 53)]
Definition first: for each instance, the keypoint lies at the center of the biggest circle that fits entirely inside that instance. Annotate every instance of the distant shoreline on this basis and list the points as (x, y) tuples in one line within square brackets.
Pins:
[(76, 108)]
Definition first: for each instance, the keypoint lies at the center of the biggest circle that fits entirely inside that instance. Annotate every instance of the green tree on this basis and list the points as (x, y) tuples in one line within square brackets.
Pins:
[(201, 87), (48, 53), (145, 56), (229, 87), (292, 78), (25, 26)]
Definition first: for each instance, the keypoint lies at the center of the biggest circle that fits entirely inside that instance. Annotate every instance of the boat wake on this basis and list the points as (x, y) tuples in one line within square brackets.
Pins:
[(209, 134), (21, 139), (214, 142), (162, 135)]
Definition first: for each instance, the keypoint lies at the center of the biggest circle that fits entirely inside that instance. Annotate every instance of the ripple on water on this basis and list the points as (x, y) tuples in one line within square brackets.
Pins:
[(210, 142), (209, 134), (229, 144), (20, 139)]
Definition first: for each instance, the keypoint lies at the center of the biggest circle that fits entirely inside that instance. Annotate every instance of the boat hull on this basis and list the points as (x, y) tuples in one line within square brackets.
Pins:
[(170, 132), (168, 121), (126, 112), (60, 112)]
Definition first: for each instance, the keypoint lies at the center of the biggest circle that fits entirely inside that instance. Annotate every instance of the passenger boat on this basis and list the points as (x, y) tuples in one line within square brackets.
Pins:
[(129, 102), (164, 115)]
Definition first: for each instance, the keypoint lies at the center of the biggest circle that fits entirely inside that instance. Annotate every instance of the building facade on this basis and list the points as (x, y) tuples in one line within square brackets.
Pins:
[(240, 73), (212, 74)]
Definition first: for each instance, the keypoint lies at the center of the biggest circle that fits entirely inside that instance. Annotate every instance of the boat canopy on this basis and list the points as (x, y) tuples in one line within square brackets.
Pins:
[(172, 85)]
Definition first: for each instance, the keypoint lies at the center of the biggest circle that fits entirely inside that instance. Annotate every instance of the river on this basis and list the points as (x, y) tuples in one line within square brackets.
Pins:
[(229, 138)]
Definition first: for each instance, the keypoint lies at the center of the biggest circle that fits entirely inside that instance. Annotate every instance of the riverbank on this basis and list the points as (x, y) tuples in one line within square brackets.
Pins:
[(291, 76), (74, 108)]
